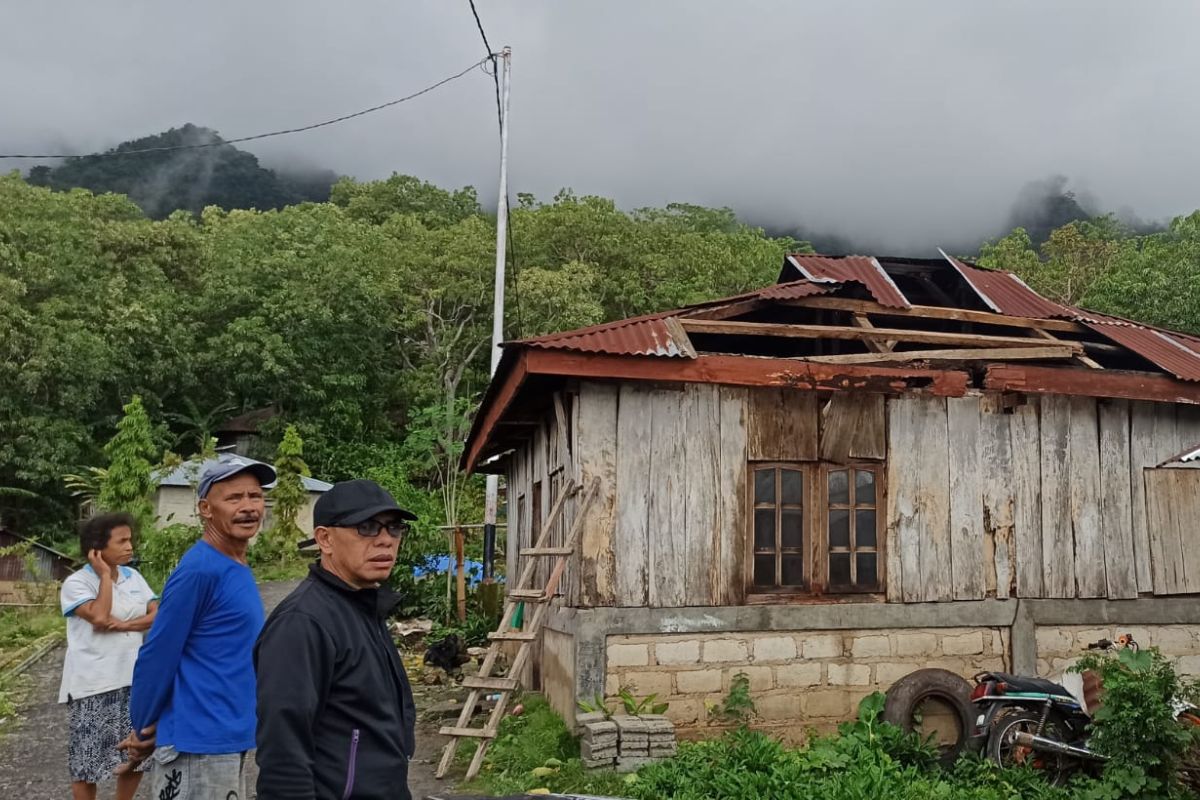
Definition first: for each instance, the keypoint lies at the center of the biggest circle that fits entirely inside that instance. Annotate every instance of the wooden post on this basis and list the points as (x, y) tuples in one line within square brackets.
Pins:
[(461, 578)]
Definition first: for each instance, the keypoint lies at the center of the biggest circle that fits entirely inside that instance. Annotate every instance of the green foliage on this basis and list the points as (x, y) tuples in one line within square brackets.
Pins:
[(738, 705), (1135, 725), (159, 551), (635, 707), (536, 750), (160, 183), (277, 544), (129, 483)]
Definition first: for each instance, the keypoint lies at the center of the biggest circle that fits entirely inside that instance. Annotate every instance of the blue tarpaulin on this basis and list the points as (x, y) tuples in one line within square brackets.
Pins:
[(439, 565)]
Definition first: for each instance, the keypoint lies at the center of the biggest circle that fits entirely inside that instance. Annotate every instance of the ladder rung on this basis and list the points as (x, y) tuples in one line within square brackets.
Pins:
[(547, 551), (495, 684), (475, 733), (513, 636), (532, 595)]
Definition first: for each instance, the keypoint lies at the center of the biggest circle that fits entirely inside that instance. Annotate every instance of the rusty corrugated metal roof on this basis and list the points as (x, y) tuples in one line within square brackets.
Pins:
[(653, 334), (647, 335), (1005, 293), (1170, 352), (863, 270)]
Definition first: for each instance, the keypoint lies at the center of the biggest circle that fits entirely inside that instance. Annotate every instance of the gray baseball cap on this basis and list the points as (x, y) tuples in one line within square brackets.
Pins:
[(225, 466)]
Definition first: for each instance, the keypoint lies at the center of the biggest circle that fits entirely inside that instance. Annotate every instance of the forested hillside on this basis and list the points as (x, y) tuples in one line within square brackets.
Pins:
[(186, 179), (365, 319)]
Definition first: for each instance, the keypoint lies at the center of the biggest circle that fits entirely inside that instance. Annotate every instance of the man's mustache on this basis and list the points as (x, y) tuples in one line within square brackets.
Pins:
[(250, 517)]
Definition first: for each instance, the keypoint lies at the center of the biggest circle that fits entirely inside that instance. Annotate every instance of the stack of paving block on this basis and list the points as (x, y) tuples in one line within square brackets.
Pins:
[(598, 740), (660, 733)]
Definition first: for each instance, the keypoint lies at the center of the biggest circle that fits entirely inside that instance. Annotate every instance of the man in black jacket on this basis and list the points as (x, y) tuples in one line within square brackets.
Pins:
[(335, 711)]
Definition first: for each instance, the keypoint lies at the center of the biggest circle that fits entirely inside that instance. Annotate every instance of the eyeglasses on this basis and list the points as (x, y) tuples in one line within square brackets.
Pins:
[(371, 528)]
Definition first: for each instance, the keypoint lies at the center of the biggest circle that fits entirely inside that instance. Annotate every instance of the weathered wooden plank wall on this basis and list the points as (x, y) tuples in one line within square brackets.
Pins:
[(1047, 499)]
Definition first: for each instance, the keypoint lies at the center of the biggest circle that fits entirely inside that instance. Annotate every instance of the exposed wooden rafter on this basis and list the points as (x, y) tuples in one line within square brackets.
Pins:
[(1082, 357), (961, 354), (936, 312), (861, 321), (731, 328)]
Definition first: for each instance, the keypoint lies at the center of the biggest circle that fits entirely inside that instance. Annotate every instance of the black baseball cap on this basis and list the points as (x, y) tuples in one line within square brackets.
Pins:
[(351, 502)]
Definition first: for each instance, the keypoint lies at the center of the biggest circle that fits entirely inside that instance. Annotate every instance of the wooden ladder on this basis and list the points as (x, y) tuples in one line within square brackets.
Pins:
[(518, 593)]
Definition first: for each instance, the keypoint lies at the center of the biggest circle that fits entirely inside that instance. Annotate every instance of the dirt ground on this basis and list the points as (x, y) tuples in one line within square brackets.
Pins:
[(33, 750)]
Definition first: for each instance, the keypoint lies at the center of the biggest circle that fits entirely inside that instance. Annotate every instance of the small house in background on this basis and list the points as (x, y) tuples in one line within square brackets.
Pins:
[(175, 498), (241, 434), (42, 565), (871, 466)]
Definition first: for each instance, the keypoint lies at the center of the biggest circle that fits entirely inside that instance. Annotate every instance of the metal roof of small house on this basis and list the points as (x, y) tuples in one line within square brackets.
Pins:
[(896, 322), (188, 475)]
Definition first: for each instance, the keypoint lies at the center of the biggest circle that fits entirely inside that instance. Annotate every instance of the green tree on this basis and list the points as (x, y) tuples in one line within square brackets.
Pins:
[(288, 497), (129, 483)]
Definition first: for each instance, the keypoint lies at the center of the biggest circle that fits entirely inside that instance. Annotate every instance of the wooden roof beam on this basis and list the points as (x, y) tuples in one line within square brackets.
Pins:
[(1090, 383), (937, 312), (964, 354), (781, 330)]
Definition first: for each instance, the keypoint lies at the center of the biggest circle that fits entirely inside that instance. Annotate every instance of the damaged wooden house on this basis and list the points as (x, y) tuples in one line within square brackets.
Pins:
[(874, 465)]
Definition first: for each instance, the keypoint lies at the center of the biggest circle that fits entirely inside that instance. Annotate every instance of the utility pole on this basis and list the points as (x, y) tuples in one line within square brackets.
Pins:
[(503, 63)]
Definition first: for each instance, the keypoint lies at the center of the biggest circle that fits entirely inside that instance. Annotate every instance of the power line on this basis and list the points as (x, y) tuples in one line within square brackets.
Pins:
[(221, 141), (492, 57)]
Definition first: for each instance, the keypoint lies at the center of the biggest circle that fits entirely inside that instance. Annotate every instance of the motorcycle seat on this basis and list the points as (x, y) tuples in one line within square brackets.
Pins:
[(1023, 683)]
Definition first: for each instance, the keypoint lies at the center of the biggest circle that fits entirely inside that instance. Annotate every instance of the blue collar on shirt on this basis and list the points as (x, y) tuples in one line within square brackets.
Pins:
[(122, 571)]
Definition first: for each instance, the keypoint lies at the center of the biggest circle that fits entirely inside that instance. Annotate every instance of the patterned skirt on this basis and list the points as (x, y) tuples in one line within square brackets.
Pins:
[(96, 725)]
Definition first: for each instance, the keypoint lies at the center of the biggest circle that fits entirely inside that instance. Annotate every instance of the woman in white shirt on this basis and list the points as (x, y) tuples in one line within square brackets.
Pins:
[(108, 607)]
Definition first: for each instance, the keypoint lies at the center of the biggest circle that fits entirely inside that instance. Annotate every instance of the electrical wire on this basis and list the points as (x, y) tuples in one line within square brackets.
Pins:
[(513, 275), (221, 141)]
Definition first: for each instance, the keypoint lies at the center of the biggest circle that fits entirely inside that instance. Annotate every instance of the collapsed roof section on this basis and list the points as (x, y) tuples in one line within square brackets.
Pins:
[(857, 323)]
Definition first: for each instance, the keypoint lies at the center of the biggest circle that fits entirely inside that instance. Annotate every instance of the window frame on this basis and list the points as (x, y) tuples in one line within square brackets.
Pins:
[(815, 533), (806, 544)]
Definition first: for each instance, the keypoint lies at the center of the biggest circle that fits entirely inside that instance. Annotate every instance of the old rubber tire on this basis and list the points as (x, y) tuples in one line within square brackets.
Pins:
[(907, 695)]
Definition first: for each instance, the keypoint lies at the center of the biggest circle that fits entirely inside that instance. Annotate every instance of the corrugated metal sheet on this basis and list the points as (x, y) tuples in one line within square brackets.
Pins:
[(651, 335), (863, 270), (1005, 293), (639, 336), (1165, 350)]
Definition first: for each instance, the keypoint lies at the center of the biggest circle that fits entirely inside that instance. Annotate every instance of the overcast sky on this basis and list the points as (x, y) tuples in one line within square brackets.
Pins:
[(907, 123)]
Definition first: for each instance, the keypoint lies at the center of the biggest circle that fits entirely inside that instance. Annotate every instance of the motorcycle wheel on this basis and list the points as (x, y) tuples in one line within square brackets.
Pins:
[(1005, 753)]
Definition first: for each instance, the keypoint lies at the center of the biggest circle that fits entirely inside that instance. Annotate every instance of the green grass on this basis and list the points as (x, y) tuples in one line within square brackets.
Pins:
[(865, 760), (538, 740), (20, 629)]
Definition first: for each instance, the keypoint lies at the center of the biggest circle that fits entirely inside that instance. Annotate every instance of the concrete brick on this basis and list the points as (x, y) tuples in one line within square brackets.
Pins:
[(582, 719), (686, 712), (998, 648), (644, 683), (775, 648), (723, 650), (1053, 641), (675, 653), (1173, 640), (778, 707), (914, 644), (633, 764), (1086, 636), (628, 655), (849, 674), (967, 644), (762, 679), (1189, 665), (823, 646), (799, 674), (828, 703), (889, 673), (698, 681), (870, 647), (612, 685)]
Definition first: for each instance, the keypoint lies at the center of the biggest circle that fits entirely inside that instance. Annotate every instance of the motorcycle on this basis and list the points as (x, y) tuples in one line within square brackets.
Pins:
[(1036, 722), (1042, 724)]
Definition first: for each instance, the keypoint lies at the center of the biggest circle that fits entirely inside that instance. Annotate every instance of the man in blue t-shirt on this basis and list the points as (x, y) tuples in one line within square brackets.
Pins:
[(193, 689)]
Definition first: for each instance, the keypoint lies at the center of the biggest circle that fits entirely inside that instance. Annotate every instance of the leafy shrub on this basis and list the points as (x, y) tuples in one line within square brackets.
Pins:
[(1135, 725), (738, 706), (159, 551)]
